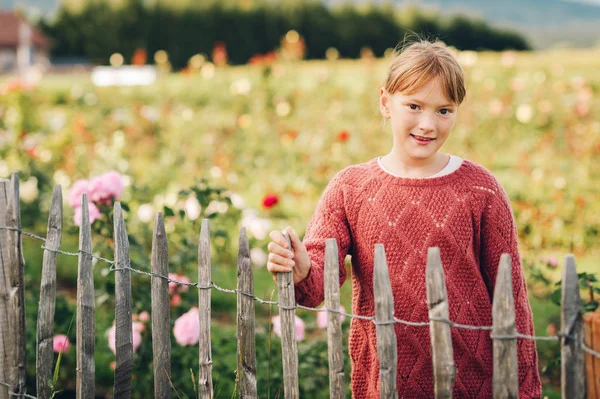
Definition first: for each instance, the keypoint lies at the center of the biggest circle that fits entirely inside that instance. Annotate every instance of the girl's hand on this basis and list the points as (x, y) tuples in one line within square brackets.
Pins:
[(282, 259)]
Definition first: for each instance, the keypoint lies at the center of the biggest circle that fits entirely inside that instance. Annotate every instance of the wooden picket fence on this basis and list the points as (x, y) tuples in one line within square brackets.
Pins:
[(12, 316)]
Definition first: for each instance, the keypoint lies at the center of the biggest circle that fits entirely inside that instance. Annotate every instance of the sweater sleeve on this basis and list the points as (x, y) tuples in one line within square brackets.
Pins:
[(498, 236), (328, 221)]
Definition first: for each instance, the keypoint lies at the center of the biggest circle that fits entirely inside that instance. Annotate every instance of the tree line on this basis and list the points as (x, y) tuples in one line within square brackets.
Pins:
[(96, 30)]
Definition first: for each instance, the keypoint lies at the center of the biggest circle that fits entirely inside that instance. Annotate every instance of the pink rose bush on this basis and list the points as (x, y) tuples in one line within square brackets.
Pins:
[(175, 289), (187, 328), (101, 190), (276, 320), (322, 318), (61, 343)]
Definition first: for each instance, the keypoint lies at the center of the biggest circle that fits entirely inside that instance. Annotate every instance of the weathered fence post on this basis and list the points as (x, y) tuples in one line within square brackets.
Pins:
[(5, 334), (289, 346), (86, 324), (47, 303), (384, 320), (161, 311), (17, 288), (246, 365), (444, 371), (123, 330), (334, 325), (205, 386), (572, 356), (506, 371)]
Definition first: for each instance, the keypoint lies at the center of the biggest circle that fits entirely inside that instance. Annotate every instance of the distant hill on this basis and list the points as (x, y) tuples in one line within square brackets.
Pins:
[(546, 23)]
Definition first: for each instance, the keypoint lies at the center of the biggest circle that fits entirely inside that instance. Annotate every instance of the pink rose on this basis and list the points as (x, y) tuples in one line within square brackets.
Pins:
[(78, 188), (276, 320), (144, 316), (93, 211), (187, 328), (175, 300), (61, 343), (322, 318), (136, 336), (106, 187), (552, 262), (174, 287)]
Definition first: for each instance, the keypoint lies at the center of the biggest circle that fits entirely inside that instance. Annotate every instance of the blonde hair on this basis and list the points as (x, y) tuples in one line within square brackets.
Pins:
[(418, 63)]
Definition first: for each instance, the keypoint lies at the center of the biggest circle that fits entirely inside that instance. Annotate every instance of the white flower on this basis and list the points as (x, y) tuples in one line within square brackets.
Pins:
[(560, 182), (524, 113), (149, 113), (241, 86), (258, 227), (237, 201), (29, 190), (258, 257), (193, 208), (145, 212), (283, 108), (208, 71)]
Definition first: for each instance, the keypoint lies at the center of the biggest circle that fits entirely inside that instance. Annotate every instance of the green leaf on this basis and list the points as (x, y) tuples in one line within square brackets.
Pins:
[(168, 211)]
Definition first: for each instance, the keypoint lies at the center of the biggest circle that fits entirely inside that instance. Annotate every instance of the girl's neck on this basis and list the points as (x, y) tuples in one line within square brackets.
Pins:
[(414, 168)]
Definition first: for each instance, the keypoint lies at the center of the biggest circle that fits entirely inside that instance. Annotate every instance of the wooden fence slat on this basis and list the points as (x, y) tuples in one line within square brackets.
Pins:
[(384, 317), (17, 288), (289, 346), (205, 386), (5, 348), (572, 355), (123, 330), (506, 371), (161, 311), (334, 325), (47, 304), (444, 371), (86, 308), (246, 368)]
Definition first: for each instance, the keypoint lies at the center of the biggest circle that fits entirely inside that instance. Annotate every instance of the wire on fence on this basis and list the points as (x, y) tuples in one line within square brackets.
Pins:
[(213, 285), (19, 395)]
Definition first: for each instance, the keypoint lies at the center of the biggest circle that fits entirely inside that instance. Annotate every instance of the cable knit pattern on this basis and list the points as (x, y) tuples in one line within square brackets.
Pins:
[(468, 216)]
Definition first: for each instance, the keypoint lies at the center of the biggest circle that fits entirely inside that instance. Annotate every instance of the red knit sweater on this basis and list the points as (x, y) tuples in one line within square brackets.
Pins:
[(468, 216)]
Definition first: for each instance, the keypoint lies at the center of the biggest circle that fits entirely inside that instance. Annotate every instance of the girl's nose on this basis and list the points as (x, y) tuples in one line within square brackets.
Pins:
[(426, 123)]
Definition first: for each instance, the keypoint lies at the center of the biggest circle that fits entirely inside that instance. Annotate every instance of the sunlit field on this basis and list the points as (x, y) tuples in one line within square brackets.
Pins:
[(271, 135)]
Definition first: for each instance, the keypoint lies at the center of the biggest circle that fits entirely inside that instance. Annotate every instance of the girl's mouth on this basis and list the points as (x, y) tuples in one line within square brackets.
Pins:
[(422, 140)]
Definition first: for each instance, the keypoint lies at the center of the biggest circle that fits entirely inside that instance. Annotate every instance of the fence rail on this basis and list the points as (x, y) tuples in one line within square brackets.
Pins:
[(12, 316)]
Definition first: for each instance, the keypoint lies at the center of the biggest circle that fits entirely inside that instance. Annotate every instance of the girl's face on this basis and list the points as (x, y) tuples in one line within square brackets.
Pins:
[(421, 121)]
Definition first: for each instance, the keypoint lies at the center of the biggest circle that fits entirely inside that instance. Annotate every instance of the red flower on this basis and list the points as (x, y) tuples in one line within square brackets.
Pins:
[(267, 58), (270, 201), (219, 53), (13, 86), (343, 136)]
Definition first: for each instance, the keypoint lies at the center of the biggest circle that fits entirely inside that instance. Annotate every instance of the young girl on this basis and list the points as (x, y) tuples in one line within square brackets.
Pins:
[(411, 199)]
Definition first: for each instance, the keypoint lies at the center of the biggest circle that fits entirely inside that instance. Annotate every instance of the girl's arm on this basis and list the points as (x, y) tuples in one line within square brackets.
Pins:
[(498, 236), (328, 221)]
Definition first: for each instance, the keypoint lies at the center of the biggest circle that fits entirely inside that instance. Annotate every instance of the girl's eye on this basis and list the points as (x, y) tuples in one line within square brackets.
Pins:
[(414, 107), (445, 111)]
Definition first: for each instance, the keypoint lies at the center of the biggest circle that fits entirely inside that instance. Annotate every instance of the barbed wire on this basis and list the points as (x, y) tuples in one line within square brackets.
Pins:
[(19, 395), (395, 320)]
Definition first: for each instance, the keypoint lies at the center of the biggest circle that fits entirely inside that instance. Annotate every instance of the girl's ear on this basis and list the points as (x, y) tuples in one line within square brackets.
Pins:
[(384, 103)]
